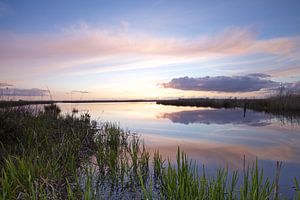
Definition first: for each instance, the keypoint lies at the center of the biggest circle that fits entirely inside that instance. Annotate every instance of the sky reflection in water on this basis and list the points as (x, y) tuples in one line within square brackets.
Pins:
[(214, 137)]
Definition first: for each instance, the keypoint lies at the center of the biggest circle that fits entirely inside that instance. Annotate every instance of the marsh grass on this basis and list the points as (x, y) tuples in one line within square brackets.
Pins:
[(297, 189), (280, 105), (182, 181), (46, 155), (122, 160), (39, 150)]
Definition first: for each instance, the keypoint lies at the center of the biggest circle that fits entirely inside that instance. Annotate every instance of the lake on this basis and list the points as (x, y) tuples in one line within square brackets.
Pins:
[(213, 137)]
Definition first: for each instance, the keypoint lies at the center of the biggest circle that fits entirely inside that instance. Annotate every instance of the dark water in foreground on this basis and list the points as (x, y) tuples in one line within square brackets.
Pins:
[(214, 137)]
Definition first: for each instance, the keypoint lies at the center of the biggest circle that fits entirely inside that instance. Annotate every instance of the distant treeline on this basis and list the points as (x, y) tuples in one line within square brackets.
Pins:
[(280, 103), (4, 104), (286, 103)]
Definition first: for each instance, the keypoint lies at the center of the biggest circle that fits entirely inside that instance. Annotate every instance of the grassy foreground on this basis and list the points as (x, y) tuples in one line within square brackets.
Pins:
[(45, 155)]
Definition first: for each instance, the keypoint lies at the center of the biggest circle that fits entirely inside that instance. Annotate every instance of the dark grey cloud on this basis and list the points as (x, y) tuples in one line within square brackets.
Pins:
[(219, 116), (247, 83), (22, 92), (5, 85), (259, 75)]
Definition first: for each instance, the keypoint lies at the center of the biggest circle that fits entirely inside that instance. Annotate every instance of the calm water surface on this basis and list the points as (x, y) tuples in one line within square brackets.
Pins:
[(214, 137)]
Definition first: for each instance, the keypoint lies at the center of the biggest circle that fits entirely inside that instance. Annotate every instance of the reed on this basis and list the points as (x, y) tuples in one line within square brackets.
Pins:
[(158, 167), (182, 181), (297, 189)]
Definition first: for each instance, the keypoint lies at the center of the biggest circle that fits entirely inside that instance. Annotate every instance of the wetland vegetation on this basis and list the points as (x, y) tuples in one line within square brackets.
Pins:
[(47, 155), (289, 103)]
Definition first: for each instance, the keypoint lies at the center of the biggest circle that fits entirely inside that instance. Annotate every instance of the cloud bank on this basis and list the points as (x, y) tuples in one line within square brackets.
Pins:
[(247, 83), (18, 92)]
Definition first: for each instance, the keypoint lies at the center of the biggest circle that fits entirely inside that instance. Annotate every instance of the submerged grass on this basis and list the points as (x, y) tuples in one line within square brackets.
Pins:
[(45, 155)]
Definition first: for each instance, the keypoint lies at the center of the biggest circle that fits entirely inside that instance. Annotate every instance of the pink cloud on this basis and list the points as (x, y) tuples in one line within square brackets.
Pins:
[(276, 46), (76, 44), (285, 71)]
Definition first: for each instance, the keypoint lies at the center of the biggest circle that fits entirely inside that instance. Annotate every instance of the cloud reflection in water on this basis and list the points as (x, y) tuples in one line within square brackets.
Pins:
[(219, 116)]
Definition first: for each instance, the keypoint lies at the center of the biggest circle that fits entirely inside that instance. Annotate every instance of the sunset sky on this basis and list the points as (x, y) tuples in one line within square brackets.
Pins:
[(109, 49)]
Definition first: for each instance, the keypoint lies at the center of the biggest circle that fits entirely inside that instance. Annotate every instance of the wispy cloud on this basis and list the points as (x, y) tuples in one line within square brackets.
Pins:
[(80, 91), (288, 71), (76, 44)]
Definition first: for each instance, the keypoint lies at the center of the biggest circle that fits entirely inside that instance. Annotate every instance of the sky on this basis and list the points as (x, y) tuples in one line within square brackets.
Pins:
[(160, 49)]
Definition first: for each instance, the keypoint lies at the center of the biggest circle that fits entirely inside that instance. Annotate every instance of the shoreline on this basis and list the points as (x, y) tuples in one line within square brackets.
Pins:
[(276, 104)]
